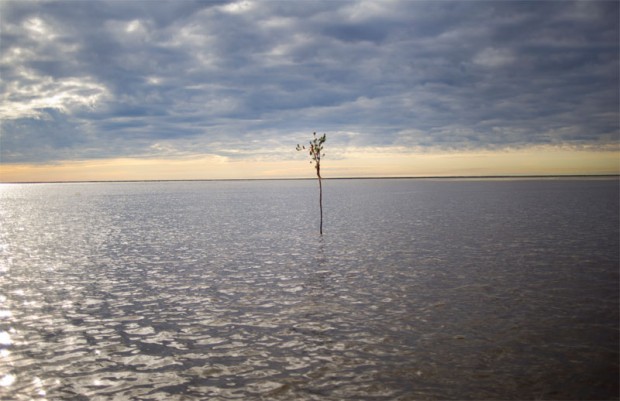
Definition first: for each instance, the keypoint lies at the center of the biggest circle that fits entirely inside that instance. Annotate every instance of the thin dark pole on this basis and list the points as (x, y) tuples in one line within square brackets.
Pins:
[(320, 201)]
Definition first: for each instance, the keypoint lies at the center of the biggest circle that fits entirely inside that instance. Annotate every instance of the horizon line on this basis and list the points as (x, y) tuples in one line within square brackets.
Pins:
[(438, 177)]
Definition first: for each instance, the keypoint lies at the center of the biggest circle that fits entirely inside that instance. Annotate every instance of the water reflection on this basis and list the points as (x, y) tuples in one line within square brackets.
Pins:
[(189, 291), (7, 380), (5, 339)]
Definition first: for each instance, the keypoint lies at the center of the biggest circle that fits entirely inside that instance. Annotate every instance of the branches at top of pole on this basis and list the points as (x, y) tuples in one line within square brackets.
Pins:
[(315, 150)]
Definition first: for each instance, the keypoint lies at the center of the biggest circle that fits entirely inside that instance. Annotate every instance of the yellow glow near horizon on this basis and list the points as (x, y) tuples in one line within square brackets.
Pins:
[(349, 163)]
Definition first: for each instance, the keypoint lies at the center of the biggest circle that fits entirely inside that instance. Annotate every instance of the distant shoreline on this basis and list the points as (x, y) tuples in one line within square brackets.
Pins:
[(455, 177)]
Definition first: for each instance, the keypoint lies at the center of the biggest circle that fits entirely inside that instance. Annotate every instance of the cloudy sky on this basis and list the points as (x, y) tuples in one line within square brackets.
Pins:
[(206, 89)]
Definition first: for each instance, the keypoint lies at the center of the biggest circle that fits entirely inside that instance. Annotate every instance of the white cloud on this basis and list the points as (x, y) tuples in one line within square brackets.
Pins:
[(492, 57), (238, 7), (39, 28), (26, 98)]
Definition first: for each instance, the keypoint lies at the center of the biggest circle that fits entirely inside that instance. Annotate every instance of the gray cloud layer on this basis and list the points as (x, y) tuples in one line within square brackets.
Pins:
[(168, 78)]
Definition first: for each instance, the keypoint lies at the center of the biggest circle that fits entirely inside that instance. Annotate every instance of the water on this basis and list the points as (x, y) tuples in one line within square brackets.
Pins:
[(418, 289)]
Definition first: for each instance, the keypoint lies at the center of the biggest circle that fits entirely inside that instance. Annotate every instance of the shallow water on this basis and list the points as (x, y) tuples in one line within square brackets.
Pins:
[(418, 289)]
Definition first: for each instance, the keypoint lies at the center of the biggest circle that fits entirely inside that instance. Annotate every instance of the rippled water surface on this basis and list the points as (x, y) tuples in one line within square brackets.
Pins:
[(418, 289)]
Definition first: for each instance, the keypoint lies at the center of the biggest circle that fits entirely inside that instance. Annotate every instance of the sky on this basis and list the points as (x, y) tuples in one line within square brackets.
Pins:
[(132, 90)]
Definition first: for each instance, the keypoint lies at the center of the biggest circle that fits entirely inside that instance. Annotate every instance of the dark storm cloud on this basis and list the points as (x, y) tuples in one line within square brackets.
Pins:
[(137, 78)]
